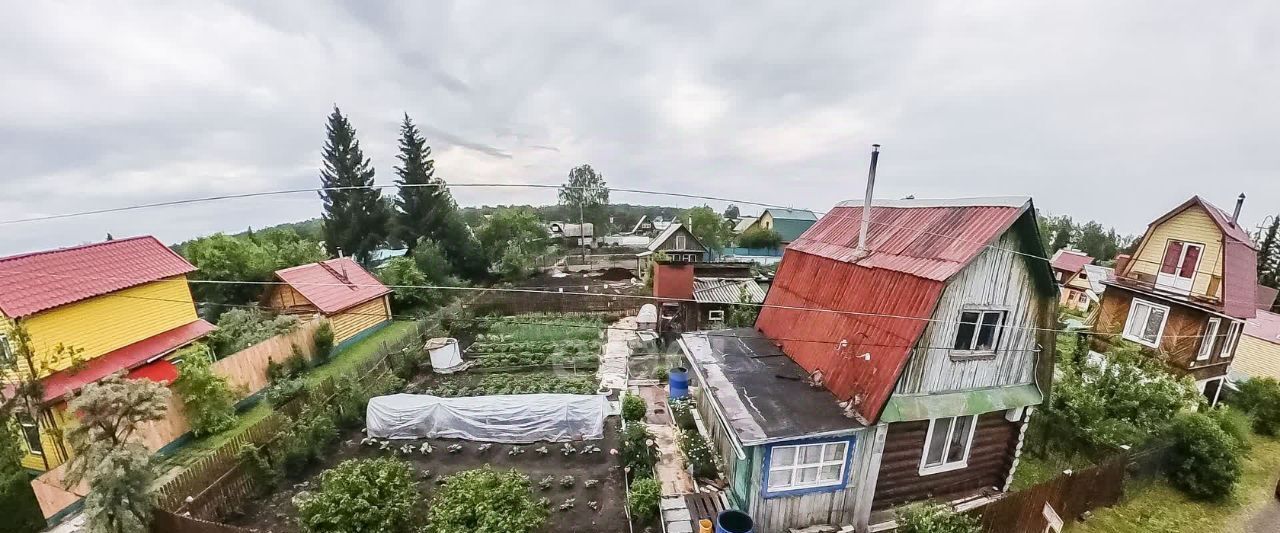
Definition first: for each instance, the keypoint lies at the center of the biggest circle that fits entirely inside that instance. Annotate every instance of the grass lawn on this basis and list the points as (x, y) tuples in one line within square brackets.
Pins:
[(1157, 506), (342, 362), (1033, 469)]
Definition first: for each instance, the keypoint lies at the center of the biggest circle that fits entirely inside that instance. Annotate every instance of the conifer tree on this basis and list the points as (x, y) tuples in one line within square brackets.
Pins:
[(355, 219)]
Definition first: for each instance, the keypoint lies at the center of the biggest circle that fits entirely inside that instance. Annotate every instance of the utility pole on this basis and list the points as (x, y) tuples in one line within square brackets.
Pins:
[(582, 227)]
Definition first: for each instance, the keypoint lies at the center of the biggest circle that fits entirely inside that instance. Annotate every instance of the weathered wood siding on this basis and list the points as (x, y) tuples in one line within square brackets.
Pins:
[(351, 322), (1179, 343), (996, 279), (737, 470), (837, 507), (1192, 225), (991, 457), (691, 242), (287, 299)]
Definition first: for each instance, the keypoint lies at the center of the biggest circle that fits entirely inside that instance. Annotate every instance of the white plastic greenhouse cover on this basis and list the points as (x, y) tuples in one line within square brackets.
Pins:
[(510, 418)]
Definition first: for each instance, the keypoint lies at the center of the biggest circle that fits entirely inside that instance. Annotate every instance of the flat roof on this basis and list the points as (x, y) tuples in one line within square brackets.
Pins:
[(760, 391)]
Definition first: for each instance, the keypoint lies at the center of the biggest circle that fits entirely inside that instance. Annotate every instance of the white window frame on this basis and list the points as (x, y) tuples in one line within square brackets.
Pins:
[(6, 349), (796, 466), (947, 466), (715, 314), (977, 330), (1133, 309), (1207, 340), (1233, 339), (681, 242)]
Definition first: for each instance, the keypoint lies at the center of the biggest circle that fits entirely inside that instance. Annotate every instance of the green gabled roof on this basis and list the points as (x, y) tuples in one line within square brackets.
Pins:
[(789, 228)]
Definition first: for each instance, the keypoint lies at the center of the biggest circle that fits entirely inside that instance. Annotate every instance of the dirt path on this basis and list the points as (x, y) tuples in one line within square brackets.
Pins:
[(1266, 520), (613, 362)]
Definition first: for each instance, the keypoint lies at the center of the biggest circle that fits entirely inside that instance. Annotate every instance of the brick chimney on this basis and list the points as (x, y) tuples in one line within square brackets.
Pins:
[(1122, 261), (673, 280)]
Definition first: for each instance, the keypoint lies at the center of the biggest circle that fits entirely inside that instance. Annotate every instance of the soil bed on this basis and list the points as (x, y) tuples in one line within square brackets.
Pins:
[(276, 513)]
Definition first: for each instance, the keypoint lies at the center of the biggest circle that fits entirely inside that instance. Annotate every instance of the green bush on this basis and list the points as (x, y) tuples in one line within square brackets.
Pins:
[(633, 408), (297, 363), (486, 500), (241, 328), (758, 237), (1235, 422), (930, 517), (258, 465), (207, 399), (644, 498), (305, 440), (322, 342), (637, 450), (363, 495), (698, 454), (281, 392), (682, 413), (18, 504), (1204, 461), (1260, 397)]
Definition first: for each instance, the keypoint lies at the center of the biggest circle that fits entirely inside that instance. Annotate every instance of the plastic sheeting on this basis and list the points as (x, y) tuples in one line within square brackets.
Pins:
[(510, 418)]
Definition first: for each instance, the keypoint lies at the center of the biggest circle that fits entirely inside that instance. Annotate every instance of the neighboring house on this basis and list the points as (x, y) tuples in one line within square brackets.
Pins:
[(1185, 293), (677, 243), (1258, 355), (380, 256), (352, 299), (932, 343), (569, 234), (88, 312), (1095, 275), (1073, 281), (743, 223), (789, 223), (702, 292)]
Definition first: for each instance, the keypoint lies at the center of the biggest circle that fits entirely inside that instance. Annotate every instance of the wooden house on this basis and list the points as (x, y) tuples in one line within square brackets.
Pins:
[(1185, 293), (1258, 355), (788, 223), (88, 312), (353, 300), (701, 294), (677, 243), (912, 364), (1073, 280)]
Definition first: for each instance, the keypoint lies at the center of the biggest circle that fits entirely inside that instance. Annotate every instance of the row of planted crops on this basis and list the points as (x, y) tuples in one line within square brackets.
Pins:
[(525, 342)]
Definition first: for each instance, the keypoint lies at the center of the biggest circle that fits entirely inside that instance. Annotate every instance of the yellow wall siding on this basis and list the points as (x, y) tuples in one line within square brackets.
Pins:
[(48, 441), (766, 220), (1257, 357), (351, 322), (105, 323), (1192, 225)]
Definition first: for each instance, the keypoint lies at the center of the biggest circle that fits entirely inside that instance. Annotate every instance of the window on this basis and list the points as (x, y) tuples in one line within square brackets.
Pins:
[(6, 351), (31, 433), (1146, 322), (1229, 343), (1206, 342), (1178, 268), (807, 465), (946, 445), (979, 331), (680, 242), (1084, 299), (715, 315)]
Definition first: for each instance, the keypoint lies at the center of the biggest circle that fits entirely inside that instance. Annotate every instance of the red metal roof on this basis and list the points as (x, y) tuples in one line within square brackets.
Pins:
[(1070, 260), (333, 285), (125, 358), (35, 282), (1265, 326), (885, 295)]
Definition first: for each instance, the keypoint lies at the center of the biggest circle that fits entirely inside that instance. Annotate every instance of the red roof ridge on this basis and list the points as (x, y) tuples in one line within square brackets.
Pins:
[(81, 247)]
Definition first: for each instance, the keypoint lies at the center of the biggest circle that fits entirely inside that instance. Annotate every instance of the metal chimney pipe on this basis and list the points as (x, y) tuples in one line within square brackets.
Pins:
[(1235, 217), (866, 202)]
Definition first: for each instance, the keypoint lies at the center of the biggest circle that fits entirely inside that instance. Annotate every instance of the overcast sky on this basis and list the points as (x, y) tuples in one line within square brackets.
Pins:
[(1115, 111)]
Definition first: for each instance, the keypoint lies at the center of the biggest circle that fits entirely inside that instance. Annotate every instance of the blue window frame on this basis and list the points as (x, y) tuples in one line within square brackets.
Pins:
[(805, 467)]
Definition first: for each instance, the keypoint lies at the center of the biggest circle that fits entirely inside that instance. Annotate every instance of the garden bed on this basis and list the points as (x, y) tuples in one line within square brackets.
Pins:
[(277, 512)]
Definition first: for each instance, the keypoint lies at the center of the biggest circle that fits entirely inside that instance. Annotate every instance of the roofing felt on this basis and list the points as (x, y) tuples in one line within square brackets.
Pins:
[(124, 358), (1265, 326), (35, 282), (760, 391), (1070, 260), (333, 285), (726, 290)]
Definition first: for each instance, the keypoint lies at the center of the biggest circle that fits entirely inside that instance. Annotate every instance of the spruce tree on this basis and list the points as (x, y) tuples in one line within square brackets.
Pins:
[(355, 219), (420, 211), (1269, 255)]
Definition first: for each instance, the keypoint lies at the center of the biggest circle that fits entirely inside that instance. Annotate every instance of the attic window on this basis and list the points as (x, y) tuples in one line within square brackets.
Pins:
[(979, 332)]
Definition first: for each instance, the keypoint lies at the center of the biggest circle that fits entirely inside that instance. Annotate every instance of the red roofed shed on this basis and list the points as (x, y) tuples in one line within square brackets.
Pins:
[(352, 299)]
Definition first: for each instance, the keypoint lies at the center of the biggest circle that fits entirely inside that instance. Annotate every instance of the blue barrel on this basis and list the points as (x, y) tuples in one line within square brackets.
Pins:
[(678, 381), (734, 522)]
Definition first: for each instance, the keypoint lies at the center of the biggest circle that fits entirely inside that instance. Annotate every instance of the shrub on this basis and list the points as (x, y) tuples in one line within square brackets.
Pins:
[(1260, 397), (698, 454), (18, 502), (486, 500), (258, 465), (637, 452), (363, 495), (207, 399), (297, 363), (758, 237), (1235, 422), (930, 517), (633, 408), (643, 499), (322, 342), (682, 413), (1204, 460), (283, 391), (241, 328), (305, 440), (404, 363)]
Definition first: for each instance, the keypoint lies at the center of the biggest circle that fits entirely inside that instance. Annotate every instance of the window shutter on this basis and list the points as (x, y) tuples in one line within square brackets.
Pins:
[(1171, 256)]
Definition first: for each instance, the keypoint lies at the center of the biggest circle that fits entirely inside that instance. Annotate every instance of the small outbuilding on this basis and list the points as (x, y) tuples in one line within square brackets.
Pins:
[(339, 289)]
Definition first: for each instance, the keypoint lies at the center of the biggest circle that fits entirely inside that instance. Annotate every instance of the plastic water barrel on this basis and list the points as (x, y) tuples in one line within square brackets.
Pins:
[(732, 521), (678, 381)]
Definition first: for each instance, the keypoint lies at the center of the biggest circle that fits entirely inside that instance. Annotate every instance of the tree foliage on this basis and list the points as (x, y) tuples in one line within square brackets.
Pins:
[(250, 257), (711, 229), (1260, 397), (586, 189), (107, 454), (512, 239), (363, 495), (244, 327), (732, 212), (18, 504), (1092, 238), (931, 517), (1269, 256), (428, 266), (356, 220), (486, 501), (633, 408), (645, 496), (758, 237), (207, 399), (1204, 461), (742, 314)]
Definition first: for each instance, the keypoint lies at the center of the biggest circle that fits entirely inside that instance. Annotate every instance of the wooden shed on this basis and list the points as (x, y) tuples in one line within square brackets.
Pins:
[(339, 289)]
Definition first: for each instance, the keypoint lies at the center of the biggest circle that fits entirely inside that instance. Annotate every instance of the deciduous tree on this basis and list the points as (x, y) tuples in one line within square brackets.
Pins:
[(587, 189), (207, 399), (709, 227), (355, 219), (511, 239)]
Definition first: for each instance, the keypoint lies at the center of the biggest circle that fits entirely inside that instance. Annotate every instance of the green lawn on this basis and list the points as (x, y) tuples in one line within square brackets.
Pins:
[(342, 362), (1157, 506)]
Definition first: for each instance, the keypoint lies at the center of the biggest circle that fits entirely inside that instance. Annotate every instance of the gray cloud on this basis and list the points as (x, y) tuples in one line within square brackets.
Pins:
[(1108, 111)]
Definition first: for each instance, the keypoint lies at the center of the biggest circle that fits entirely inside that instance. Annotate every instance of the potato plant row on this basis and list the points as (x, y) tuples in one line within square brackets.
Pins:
[(524, 383)]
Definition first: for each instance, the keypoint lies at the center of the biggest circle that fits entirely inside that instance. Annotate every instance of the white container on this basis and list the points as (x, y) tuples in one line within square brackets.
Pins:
[(647, 319), (445, 355)]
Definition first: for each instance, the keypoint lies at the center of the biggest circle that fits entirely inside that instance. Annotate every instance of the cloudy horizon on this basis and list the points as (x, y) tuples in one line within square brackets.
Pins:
[(1103, 111)]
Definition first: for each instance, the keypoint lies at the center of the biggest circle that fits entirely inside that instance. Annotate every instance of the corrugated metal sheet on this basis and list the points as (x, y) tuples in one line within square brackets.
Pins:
[(726, 290), (1070, 260), (333, 285)]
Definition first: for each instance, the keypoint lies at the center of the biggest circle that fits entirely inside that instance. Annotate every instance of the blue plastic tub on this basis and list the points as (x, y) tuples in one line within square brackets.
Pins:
[(732, 521), (678, 380)]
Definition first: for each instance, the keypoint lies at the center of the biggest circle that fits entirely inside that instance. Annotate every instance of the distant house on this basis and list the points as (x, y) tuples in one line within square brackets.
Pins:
[(789, 223), (677, 243), (90, 311), (380, 256), (879, 374), (1258, 355), (701, 294), (572, 234), (352, 299), (743, 224), (1068, 270), (1185, 294)]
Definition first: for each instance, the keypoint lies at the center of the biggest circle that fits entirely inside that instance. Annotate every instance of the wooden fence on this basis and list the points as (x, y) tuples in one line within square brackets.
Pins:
[(516, 303), (163, 521)]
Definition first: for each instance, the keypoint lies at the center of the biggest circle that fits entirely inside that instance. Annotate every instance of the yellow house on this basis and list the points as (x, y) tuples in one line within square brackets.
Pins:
[(72, 316), (349, 296), (1259, 353)]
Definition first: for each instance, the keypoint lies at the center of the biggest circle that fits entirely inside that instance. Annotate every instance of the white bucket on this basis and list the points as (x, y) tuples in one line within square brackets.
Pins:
[(445, 355)]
